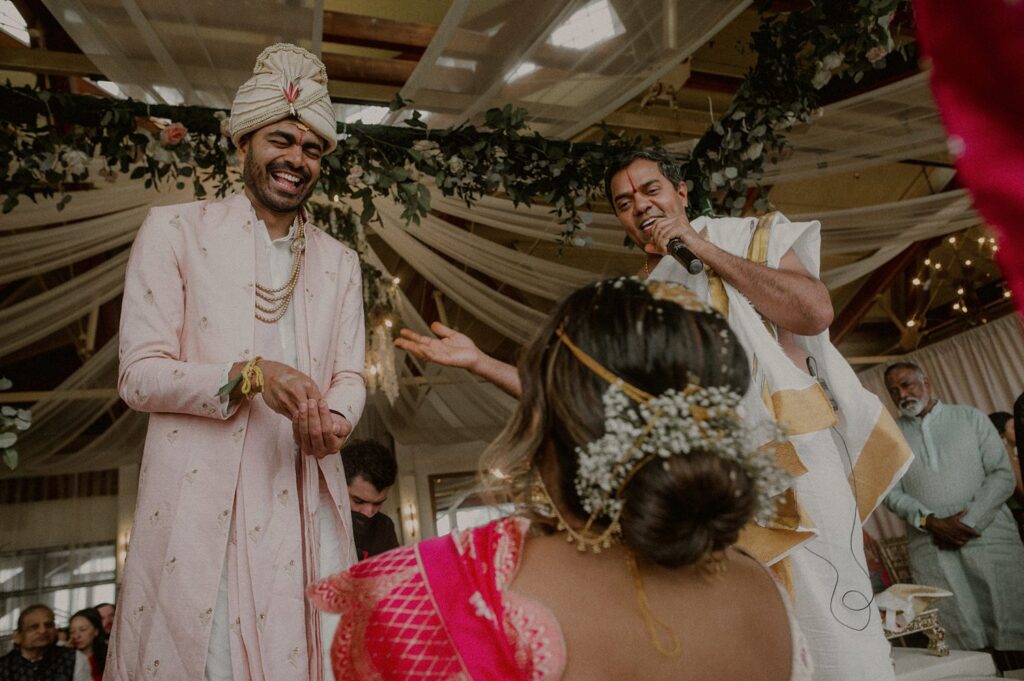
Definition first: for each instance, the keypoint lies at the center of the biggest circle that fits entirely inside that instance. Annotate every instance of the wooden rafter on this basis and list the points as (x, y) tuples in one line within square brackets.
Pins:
[(880, 280)]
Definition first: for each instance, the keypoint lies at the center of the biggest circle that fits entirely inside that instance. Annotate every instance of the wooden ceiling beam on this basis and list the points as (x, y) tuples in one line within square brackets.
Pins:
[(368, 69), (363, 31), (47, 62), (881, 279)]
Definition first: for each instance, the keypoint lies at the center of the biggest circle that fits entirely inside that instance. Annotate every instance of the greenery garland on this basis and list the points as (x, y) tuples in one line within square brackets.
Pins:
[(47, 140)]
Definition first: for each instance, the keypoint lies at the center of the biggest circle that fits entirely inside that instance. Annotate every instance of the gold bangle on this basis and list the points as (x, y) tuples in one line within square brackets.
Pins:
[(252, 378)]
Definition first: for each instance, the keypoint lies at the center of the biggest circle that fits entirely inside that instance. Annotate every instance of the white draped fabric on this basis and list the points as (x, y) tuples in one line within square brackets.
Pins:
[(37, 317), (896, 225), (57, 422), (983, 367), (194, 52), (506, 316), (448, 405), (106, 199), (885, 125), (569, 62), (45, 250), (550, 280)]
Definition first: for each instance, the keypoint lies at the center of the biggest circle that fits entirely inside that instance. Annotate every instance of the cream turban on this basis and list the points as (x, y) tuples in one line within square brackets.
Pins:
[(286, 81)]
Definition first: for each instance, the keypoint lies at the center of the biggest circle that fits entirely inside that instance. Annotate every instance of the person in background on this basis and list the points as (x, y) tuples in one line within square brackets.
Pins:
[(370, 471), (960, 534), (88, 637), (1004, 423), (36, 656), (633, 473), (106, 611)]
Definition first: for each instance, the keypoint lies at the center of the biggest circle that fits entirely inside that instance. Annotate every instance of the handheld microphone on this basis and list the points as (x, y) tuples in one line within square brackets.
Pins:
[(684, 256)]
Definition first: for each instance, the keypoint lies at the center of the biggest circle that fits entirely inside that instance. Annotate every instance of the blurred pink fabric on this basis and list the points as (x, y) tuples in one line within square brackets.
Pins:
[(977, 55)]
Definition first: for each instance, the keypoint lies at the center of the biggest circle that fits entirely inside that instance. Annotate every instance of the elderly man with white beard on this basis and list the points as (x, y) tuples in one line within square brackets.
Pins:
[(961, 534)]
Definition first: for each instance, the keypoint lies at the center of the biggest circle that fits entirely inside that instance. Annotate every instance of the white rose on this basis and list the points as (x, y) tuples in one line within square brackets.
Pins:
[(456, 164), (821, 78), (75, 161), (832, 61)]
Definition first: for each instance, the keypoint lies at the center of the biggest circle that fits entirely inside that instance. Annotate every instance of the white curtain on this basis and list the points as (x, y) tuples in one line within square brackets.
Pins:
[(570, 63), (547, 279), (885, 125), (37, 317), (446, 405), (107, 199), (196, 52), (503, 314), (44, 250), (982, 367), (57, 422)]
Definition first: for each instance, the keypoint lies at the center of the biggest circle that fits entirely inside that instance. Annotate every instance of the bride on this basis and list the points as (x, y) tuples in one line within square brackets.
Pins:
[(632, 475)]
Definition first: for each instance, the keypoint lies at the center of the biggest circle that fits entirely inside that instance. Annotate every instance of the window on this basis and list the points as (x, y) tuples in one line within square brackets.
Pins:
[(66, 579), (458, 506)]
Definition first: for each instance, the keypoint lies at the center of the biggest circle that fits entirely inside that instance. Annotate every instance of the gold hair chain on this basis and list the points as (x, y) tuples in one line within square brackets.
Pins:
[(272, 303)]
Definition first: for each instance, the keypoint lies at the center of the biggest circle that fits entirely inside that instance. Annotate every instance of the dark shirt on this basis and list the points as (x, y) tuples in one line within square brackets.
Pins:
[(57, 664), (373, 535)]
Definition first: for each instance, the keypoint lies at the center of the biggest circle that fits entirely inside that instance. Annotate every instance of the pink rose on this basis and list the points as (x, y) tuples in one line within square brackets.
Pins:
[(877, 52), (173, 134)]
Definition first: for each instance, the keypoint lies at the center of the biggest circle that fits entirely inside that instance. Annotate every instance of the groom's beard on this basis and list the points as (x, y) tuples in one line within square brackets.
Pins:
[(911, 407)]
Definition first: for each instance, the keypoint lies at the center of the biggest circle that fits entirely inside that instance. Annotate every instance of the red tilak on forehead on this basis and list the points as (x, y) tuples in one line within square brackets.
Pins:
[(632, 184)]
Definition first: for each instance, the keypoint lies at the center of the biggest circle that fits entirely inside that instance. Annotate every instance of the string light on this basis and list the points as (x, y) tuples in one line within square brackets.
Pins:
[(938, 266), (916, 281), (967, 262), (1007, 293), (952, 240), (911, 323), (981, 241), (960, 291), (388, 323), (927, 261), (396, 281), (956, 306)]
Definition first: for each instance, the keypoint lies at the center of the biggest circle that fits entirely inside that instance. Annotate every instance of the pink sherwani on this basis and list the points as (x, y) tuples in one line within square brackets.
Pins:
[(213, 486)]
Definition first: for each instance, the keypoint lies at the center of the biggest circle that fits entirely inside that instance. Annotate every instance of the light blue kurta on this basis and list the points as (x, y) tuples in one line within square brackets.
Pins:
[(960, 464)]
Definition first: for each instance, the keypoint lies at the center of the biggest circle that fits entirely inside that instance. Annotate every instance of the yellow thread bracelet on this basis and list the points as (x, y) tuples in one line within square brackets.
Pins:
[(252, 378)]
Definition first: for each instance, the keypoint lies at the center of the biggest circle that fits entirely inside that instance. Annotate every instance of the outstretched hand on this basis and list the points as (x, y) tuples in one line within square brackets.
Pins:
[(450, 348)]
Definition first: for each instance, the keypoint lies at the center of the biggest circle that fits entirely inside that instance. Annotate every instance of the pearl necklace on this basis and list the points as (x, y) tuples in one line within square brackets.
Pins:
[(273, 302)]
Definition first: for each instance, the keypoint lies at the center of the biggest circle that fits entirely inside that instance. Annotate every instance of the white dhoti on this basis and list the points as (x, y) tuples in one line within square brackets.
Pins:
[(843, 461)]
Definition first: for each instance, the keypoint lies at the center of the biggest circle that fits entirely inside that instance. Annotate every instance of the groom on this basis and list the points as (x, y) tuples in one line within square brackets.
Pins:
[(242, 337)]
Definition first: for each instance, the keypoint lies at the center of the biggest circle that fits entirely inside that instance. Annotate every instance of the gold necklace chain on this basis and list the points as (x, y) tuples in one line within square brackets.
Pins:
[(273, 302)]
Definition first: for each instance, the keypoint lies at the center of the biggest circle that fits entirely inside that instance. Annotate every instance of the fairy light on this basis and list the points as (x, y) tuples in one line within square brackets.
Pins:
[(1007, 293), (981, 241), (911, 323), (968, 262), (916, 281), (960, 291), (991, 239), (396, 281), (956, 306), (952, 240), (388, 323), (373, 370), (927, 261), (938, 266)]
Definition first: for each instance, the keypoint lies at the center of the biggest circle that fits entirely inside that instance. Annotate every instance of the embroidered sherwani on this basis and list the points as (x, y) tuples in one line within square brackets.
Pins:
[(960, 464), (225, 491), (843, 461)]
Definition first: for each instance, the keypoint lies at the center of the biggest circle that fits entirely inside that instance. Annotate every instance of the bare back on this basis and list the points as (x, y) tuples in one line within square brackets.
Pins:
[(731, 627)]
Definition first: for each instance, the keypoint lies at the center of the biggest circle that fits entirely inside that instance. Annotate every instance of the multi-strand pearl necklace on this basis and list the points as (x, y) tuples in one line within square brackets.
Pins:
[(272, 303)]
